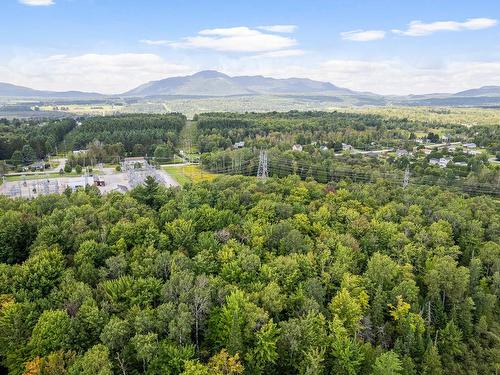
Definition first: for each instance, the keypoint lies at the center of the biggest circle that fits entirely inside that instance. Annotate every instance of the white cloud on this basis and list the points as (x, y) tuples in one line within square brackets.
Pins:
[(398, 77), (116, 73), (236, 39), (363, 35), (419, 28), (391, 76), (160, 42), (229, 31), (279, 28), (106, 73), (37, 2), (279, 54)]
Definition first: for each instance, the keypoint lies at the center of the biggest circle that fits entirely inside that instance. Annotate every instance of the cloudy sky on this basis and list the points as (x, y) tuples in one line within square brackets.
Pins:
[(383, 46)]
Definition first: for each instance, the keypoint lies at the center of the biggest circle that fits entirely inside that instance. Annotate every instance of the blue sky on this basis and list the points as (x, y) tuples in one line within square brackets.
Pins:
[(390, 47)]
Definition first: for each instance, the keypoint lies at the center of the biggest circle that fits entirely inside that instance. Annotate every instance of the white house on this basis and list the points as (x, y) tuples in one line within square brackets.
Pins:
[(442, 162), (297, 147), (240, 144), (400, 153), (473, 152)]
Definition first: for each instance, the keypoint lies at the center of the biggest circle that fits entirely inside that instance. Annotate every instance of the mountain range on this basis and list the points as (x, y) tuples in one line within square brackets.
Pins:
[(213, 83), (10, 90), (210, 83)]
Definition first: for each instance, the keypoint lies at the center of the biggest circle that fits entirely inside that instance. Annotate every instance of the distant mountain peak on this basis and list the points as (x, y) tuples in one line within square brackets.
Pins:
[(481, 91), (210, 74), (211, 83), (10, 90), (214, 83)]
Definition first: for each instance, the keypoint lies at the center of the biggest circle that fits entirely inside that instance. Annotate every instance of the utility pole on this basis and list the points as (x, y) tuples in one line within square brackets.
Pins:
[(262, 172), (406, 179)]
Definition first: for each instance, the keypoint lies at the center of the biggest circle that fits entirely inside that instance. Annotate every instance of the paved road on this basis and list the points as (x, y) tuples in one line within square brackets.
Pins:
[(110, 173), (363, 152), (61, 163), (170, 181)]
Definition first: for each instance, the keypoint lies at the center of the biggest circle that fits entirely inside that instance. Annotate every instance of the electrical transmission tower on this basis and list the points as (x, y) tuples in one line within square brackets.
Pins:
[(262, 172), (406, 179)]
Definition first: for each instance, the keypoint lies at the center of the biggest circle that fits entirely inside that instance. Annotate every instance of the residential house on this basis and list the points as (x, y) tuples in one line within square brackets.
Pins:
[(38, 166), (240, 144), (442, 162), (473, 152), (400, 153), (297, 147)]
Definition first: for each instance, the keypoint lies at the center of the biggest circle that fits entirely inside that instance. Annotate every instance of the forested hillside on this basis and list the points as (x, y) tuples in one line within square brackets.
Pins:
[(106, 138), (362, 130), (336, 145), (25, 142), (139, 134), (243, 276)]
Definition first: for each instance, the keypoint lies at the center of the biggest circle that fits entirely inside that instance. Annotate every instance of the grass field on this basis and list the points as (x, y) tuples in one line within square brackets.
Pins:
[(189, 173), (448, 115)]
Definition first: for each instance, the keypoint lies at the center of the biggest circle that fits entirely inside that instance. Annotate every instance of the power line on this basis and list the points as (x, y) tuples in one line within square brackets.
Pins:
[(286, 166), (406, 180), (262, 172)]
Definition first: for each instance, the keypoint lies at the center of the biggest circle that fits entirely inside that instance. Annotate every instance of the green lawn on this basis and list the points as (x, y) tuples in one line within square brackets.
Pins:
[(177, 175)]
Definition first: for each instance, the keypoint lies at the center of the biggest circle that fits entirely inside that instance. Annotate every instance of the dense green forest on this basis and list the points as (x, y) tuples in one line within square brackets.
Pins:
[(323, 136), (23, 142), (108, 138), (139, 134), (244, 276), (363, 131)]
